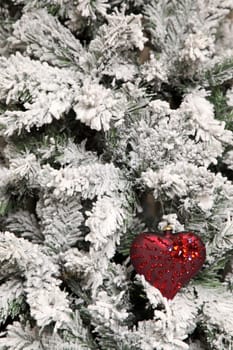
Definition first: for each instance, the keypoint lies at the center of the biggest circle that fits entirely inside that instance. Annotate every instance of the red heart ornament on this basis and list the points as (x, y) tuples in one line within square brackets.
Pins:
[(167, 261)]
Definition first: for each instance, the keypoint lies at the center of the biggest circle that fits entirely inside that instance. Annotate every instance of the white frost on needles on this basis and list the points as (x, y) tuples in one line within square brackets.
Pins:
[(89, 180), (87, 8), (47, 302), (45, 92), (202, 121), (103, 220), (229, 96), (95, 106), (169, 326), (198, 47), (194, 185)]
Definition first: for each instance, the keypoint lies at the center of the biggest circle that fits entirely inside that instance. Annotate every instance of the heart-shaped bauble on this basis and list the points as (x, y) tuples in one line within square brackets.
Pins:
[(167, 261)]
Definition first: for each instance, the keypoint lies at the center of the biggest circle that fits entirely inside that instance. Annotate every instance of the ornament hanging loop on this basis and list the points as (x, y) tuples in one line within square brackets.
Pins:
[(167, 228)]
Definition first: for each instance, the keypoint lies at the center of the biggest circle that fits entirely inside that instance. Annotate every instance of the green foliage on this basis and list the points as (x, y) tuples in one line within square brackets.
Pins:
[(126, 239), (222, 110), (5, 207), (221, 73), (211, 276), (17, 307)]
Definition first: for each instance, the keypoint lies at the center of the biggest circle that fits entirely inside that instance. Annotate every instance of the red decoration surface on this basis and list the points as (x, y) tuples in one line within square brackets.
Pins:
[(167, 260)]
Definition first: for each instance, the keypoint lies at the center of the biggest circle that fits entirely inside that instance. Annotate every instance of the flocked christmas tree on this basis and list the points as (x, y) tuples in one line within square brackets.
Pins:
[(116, 118)]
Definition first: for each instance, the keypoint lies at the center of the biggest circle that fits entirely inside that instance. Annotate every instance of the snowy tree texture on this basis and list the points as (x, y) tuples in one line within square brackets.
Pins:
[(116, 117)]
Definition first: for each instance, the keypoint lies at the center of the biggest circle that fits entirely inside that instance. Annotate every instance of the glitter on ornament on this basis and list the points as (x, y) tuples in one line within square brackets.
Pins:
[(167, 260)]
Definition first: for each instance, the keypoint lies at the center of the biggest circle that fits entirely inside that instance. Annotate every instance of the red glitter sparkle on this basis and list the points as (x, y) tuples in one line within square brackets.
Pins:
[(167, 261)]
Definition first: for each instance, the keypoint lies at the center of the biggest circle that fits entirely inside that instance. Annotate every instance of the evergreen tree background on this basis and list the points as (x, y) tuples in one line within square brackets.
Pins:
[(116, 118)]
